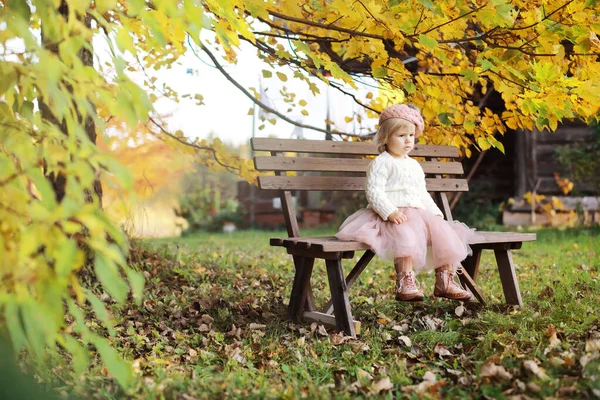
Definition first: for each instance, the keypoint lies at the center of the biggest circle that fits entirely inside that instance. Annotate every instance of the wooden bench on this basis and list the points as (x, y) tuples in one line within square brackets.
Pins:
[(335, 171)]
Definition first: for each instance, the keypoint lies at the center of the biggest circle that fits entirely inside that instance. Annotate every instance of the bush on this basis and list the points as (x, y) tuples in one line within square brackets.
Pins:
[(583, 161)]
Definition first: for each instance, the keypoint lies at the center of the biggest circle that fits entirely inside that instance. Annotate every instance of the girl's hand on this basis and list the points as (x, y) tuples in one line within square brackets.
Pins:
[(397, 217)]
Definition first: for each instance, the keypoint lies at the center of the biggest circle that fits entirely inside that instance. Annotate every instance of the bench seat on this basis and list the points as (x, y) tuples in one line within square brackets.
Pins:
[(332, 244)]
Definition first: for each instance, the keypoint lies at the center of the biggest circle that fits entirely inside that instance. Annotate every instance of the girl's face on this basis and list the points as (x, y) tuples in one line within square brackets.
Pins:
[(402, 141)]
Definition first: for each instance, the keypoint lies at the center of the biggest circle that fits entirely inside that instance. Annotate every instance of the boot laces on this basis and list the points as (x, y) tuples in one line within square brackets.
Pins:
[(408, 282)]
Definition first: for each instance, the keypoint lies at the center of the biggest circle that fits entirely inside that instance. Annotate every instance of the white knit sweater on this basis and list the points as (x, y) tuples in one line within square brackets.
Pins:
[(397, 182)]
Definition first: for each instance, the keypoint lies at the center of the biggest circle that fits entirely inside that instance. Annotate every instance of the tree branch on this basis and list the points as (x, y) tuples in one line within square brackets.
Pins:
[(193, 145), (543, 19), (325, 26), (262, 105), (447, 22)]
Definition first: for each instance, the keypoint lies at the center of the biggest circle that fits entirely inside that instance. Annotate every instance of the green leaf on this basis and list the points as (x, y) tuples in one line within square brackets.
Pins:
[(470, 75), (445, 118), (65, 259), (483, 143), (510, 54), (428, 42), (266, 73), (35, 328), (393, 3), (410, 87), (486, 64), (108, 275), (80, 355), (100, 311), (44, 187), (15, 327), (77, 314), (136, 281), (21, 8), (119, 368), (380, 72), (428, 4)]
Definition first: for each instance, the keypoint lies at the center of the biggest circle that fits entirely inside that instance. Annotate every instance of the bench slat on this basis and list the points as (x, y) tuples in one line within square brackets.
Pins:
[(348, 183), (332, 244), (265, 163), (340, 147)]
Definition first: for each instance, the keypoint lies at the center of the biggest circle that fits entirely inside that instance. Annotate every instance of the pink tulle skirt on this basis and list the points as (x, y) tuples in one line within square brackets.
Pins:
[(447, 242)]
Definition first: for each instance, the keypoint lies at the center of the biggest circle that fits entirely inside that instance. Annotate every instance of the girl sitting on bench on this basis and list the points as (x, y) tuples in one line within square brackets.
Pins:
[(402, 222)]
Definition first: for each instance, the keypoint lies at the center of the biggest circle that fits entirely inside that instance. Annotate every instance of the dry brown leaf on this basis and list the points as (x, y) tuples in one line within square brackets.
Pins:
[(254, 326), (382, 385), (492, 370), (441, 351), (532, 366), (460, 310), (207, 319), (592, 345), (406, 340), (339, 338), (363, 375), (322, 331)]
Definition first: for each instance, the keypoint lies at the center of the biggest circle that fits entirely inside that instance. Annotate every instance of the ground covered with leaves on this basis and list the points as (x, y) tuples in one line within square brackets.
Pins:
[(213, 325)]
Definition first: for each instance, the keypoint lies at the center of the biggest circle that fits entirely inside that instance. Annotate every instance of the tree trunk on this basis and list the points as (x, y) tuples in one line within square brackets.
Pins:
[(59, 180)]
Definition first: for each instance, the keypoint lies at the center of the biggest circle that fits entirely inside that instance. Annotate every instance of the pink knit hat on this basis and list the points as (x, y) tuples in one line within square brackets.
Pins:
[(408, 112)]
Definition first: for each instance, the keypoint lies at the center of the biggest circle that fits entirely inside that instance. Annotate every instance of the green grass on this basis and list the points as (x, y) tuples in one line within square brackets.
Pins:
[(195, 336)]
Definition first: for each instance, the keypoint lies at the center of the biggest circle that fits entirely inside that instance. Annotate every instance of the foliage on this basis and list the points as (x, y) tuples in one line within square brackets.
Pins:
[(208, 199), (541, 57), (583, 161), (214, 325)]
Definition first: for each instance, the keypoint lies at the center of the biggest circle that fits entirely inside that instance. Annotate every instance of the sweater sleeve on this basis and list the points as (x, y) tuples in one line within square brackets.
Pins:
[(377, 176), (429, 204)]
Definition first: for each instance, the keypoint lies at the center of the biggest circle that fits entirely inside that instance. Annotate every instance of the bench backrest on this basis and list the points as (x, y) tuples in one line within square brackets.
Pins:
[(343, 167)]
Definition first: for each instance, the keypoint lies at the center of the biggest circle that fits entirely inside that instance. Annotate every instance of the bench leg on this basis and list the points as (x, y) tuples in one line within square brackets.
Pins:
[(301, 296), (471, 263), (352, 276), (339, 296), (506, 268)]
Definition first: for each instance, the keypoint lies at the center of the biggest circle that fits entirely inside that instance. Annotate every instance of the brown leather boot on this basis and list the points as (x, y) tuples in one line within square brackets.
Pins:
[(445, 286), (407, 288)]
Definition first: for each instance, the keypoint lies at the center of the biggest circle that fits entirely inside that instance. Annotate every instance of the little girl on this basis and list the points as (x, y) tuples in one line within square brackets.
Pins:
[(402, 219)]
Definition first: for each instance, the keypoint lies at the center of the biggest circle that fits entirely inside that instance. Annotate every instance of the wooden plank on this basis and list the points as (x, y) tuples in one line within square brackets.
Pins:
[(508, 277), (508, 240), (339, 147), (339, 294), (352, 276), (300, 287), (320, 254), (327, 320), (319, 164), (503, 237), (326, 183)]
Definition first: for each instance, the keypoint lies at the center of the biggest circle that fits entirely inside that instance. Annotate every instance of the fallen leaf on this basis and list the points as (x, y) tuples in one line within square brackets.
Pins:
[(491, 370), (535, 369), (382, 385), (592, 345), (460, 310), (361, 374), (322, 331), (406, 340), (339, 338), (441, 351), (254, 326), (207, 319)]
